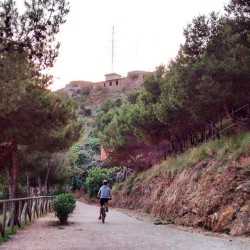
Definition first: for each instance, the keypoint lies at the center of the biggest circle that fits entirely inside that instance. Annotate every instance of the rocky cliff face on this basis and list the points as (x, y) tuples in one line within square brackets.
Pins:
[(207, 195)]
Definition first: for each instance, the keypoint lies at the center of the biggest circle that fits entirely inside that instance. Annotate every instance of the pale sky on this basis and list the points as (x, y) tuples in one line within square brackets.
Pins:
[(147, 33)]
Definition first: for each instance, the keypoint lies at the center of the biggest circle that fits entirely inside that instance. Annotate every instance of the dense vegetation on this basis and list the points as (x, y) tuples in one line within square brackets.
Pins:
[(224, 151), (34, 123), (180, 105), (184, 102)]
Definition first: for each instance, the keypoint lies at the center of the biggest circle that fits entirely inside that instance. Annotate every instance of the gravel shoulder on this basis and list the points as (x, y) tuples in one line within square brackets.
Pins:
[(123, 229)]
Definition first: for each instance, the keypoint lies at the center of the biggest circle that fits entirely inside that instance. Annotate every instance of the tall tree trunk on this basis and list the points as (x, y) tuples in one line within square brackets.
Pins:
[(248, 115), (177, 138), (214, 130), (15, 167), (170, 138), (8, 169), (47, 178), (39, 186), (28, 183)]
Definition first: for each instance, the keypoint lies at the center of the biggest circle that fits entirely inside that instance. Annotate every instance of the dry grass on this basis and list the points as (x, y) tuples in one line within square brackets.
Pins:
[(226, 149)]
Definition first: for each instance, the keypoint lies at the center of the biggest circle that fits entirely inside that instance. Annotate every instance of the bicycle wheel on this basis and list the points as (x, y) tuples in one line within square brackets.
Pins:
[(103, 214)]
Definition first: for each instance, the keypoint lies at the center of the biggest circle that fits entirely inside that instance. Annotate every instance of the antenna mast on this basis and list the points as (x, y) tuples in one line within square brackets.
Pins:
[(113, 41)]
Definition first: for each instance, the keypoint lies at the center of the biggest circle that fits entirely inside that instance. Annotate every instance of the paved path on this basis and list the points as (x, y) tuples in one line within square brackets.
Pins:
[(120, 231)]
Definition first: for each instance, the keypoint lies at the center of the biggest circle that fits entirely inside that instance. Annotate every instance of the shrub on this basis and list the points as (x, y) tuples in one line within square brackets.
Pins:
[(86, 90), (95, 178), (2, 197), (87, 111), (95, 144), (77, 181), (64, 204), (57, 192), (102, 90)]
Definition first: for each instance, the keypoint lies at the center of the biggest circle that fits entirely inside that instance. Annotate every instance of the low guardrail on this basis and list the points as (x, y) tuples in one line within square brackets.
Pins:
[(18, 211)]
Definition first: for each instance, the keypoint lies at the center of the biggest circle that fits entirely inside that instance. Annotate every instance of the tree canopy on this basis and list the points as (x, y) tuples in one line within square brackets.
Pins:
[(31, 118), (187, 98)]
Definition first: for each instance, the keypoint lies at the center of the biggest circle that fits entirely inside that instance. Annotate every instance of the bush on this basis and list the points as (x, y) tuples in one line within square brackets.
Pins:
[(57, 192), (95, 178), (77, 181), (2, 197), (86, 90), (95, 145), (64, 204), (87, 111)]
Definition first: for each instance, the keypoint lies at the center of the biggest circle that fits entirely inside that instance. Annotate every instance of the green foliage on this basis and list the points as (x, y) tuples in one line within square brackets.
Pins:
[(83, 156), (110, 104), (227, 149), (50, 123), (77, 180), (209, 77), (81, 159), (133, 96), (102, 90), (226, 231), (33, 31), (1, 195), (27, 46), (9, 232), (115, 126), (160, 222), (58, 192), (64, 204), (87, 111), (129, 183), (95, 178), (82, 105), (86, 90), (212, 75), (3, 187), (94, 144)]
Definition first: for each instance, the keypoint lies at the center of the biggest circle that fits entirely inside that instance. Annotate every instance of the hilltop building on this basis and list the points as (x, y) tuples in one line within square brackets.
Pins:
[(73, 86), (113, 82)]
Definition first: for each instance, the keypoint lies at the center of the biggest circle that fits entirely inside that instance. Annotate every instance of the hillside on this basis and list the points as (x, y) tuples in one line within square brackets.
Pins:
[(207, 187)]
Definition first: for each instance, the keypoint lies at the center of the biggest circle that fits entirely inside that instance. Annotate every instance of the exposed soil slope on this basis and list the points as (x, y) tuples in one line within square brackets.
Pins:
[(206, 194)]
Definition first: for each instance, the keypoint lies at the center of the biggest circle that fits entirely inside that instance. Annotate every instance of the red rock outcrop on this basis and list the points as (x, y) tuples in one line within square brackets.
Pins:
[(207, 195)]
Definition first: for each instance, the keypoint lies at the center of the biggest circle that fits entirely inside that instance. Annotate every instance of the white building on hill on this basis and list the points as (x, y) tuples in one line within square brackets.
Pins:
[(113, 82)]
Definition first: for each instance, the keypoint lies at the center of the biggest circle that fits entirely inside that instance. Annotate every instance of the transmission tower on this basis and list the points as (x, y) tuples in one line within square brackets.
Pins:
[(113, 52)]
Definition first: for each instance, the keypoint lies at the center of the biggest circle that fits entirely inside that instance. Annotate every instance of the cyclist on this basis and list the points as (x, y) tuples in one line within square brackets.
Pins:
[(104, 195)]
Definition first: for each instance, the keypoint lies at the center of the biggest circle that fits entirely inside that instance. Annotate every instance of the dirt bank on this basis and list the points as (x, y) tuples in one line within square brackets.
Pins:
[(208, 195)]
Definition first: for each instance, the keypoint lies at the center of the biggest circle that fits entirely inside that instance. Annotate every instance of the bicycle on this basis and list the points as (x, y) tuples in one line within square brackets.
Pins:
[(103, 212)]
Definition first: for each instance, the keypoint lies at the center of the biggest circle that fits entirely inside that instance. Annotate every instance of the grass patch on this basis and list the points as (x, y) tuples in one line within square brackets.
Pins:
[(9, 231), (129, 183), (225, 150), (226, 231), (163, 222)]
